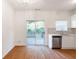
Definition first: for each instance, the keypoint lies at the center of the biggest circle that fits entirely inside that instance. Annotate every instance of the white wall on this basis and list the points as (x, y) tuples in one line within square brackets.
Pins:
[(49, 16), (7, 28)]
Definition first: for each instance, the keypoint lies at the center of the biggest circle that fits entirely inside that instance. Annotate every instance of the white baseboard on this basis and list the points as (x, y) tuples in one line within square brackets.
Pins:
[(68, 48), (7, 51)]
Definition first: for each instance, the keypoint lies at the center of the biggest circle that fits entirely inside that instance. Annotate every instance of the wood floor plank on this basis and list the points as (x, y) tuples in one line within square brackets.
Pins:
[(39, 52)]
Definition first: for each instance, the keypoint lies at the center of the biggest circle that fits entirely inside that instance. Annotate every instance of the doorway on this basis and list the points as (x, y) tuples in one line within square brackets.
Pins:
[(35, 32)]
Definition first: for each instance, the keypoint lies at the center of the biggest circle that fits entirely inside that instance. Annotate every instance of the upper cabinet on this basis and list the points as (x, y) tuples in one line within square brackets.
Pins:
[(73, 21)]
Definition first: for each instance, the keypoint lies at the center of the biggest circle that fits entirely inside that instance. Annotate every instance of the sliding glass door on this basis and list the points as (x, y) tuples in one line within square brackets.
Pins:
[(35, 32)]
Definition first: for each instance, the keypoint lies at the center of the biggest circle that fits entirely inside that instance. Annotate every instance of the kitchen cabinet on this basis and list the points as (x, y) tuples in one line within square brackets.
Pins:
[(69, 41), (73, 21)]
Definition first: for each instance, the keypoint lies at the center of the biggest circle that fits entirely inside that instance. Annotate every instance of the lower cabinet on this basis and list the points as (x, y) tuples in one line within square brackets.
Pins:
[(62, 41), (68, 42)]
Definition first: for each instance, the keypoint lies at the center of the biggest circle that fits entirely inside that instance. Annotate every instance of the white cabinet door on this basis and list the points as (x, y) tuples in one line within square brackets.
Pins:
[(68, 42), (50, 41), (73, 21)]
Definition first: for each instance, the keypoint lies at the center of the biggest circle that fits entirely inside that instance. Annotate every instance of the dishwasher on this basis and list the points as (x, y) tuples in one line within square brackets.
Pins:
[(56, 42)]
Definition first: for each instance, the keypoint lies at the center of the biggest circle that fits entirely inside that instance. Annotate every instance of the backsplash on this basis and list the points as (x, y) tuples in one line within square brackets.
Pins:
[(53, 31)]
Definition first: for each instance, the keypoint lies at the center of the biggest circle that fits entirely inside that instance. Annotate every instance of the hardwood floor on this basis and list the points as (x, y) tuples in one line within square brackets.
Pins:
[(70, 54), (39, 52)]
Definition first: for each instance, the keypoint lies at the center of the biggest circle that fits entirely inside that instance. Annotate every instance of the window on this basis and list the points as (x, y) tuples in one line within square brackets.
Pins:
[(61, 25)]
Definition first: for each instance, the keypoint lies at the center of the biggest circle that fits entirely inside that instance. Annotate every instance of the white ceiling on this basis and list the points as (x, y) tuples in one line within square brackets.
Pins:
[(44, 4)]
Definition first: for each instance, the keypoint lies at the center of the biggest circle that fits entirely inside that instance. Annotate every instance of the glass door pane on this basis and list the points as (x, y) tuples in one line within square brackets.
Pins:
[(31, 32), (40, 33)]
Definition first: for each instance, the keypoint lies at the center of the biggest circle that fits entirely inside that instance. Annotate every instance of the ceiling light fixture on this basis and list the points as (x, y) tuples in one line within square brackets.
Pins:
[(30, 1)]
